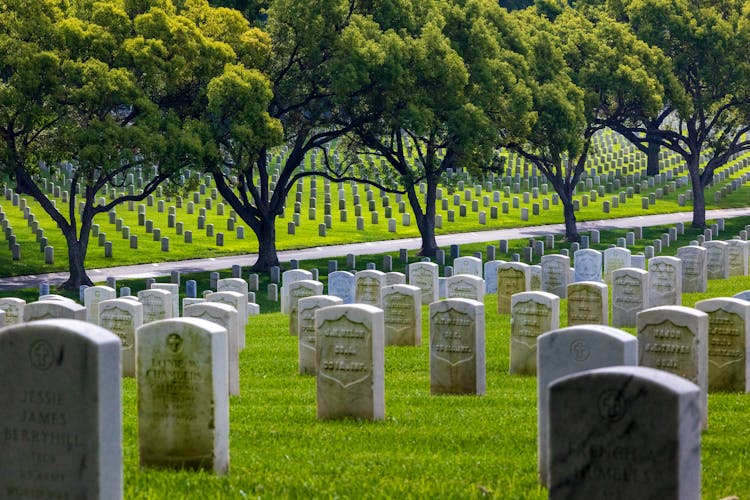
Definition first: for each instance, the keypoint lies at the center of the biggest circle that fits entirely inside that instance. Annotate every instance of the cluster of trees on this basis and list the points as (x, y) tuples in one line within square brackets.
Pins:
[(110, 86)]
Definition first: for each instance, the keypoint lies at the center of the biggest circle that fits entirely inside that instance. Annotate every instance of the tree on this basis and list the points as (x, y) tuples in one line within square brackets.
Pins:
[(305, 40), (706, 43), (107, 89), (446, 87), (584, 73)]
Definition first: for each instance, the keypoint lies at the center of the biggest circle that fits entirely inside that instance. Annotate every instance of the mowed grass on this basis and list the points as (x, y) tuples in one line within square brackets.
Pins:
[(427, 447)]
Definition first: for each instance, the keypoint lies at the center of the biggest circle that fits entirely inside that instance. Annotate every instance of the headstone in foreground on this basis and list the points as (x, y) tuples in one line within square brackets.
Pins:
[(532, 314), (350, 362), (624, 432), (457, 348), (572, 350), (60, 409), (183, 395), (728, 338), (675, 339)]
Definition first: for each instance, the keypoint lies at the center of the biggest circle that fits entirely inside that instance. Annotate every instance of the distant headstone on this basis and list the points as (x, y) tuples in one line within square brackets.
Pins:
[(157, 304), (424, 275), (615, 258), (350, 362), (555, 274), (288, 278), (728, 340), (588, 265), (183, 394), (341, 284), (630, 295), (174, 289), (572, 350), (490, 275), (122, 317), (737, 256), (394, 278), (675, 339), (92, 296), (694, 268), (13, 308), (227, 317), (299, 290), (465, 286), (239, 302), (61, 411), (624, 432), (587, 303), (468, 265), (306, 308), (367, 285), (512, 278), (457, 347), (53, 309), (402, 308), (664, 281), (717, 260), (532, 314)]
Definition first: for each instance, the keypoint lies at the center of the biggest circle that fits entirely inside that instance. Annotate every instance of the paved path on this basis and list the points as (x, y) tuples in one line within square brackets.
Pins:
[(142, 271)]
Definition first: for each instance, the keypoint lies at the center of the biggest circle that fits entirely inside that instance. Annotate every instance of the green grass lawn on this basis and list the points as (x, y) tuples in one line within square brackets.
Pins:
[(427, 447)]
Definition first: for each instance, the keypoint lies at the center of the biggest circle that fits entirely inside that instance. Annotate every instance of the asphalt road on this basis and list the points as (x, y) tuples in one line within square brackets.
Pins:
[(214, 264)]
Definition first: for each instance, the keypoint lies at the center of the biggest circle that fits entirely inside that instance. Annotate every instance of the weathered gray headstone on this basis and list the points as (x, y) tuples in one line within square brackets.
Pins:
[(588, 265), (737, 255), (288, 278), (236, 300), (457, 347), (694, 268), (675, 339), (53, 309), (572, 350), (306, 308), (157, 304), (13, 308), (468, 265), (424, 275), (402, 308), (122, 317), (367, 287), (465, 286), (350, 362), (624, 432), (717, 260), (341, 284), (298, 290), (587, 303), (664, 281), (183, 395), (61, 411), (629, 295), (91, 298), (225, 316), (728, 340), (532, 314), (490, 275), (615, 258), (512, 278), (555, 274), (174, 289)]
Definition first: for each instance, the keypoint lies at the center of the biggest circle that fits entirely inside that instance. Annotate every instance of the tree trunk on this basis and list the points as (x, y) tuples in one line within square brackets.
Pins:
[(699, 195), (76, 268), (266, 234), (652, 168), (571, 229), (425, 220)]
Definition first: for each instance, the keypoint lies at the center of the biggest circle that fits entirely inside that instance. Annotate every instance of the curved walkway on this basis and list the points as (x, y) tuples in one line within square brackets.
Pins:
[(154, 270)]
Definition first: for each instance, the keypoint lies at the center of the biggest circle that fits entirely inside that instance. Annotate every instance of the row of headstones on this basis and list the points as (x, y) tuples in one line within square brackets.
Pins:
[(347, 343)]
